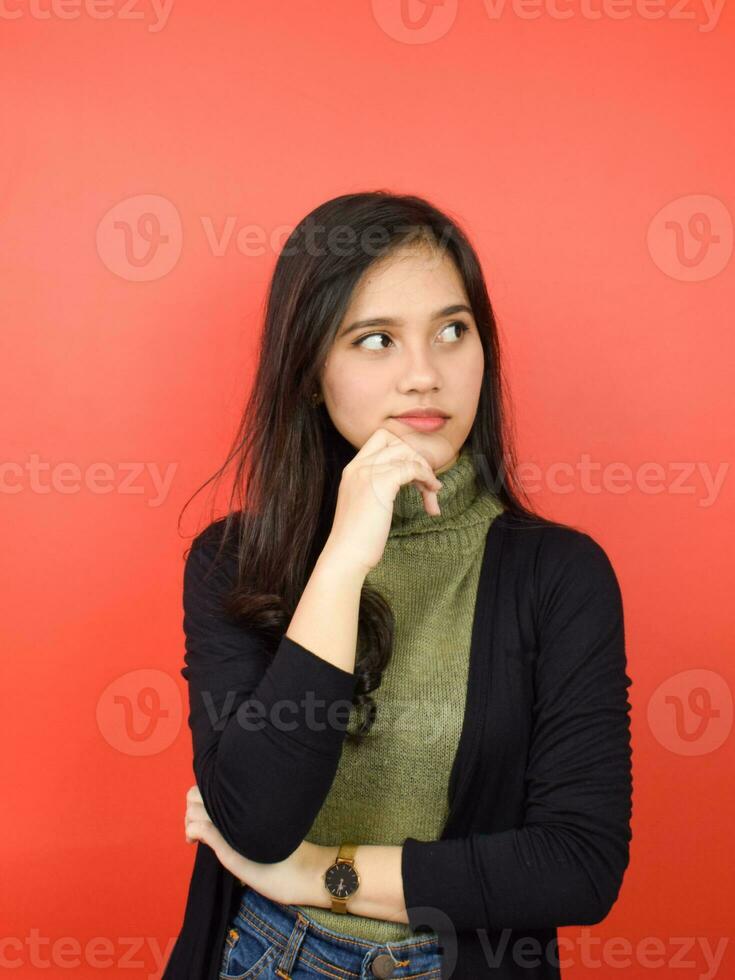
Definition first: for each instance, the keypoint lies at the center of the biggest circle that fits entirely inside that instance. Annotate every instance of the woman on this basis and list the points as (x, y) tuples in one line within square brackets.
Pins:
[(408, 696)]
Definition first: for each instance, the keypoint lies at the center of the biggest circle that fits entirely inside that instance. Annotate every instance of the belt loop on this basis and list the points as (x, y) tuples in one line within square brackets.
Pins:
[(293, 945)]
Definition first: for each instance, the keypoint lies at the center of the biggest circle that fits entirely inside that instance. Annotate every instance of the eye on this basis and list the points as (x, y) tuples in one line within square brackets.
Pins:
[(367, 336), (455, 323)]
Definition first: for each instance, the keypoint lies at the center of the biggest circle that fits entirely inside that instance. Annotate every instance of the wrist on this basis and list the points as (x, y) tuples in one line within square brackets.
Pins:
[(317, 858), (334, 558)]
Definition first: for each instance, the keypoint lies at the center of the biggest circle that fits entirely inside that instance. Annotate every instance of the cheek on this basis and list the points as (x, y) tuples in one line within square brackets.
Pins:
[(357, 396), (349, 389), (469, 372)]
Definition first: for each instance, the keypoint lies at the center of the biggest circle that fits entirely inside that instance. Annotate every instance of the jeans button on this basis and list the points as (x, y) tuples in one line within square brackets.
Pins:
[(383, 966)]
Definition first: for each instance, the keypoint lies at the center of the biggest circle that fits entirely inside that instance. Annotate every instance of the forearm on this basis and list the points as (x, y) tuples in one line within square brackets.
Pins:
[(282, 743), (268, 725), (380, 895), (326, 617)]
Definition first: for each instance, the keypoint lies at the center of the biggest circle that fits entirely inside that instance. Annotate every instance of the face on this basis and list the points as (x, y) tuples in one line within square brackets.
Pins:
[(417, 355)]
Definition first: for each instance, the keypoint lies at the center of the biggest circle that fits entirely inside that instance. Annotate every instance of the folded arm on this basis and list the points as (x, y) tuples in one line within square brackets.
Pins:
[(565, 864)]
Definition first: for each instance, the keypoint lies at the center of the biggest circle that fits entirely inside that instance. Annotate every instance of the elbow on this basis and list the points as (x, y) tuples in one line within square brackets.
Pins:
[(589, 913), (587, 896), (588, 907), (263, 813), (246, 817), (610, 895), (582, 884), (605, 862), (261, 833), (263, 845), (598, 906)]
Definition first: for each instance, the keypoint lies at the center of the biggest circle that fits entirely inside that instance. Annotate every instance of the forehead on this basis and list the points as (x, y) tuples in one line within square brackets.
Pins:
[(416, 277)]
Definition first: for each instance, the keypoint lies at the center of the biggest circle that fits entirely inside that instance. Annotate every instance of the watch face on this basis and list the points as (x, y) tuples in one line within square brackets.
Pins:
[(341, 880)]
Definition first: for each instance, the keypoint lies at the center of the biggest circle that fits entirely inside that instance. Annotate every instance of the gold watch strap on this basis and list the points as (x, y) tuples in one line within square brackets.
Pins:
[(347, 852)]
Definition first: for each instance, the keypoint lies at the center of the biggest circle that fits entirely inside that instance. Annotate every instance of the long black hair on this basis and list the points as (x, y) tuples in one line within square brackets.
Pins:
[(289, 456)]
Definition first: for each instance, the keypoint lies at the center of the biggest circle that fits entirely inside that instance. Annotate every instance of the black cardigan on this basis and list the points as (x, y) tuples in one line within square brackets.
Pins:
[(540, 791)]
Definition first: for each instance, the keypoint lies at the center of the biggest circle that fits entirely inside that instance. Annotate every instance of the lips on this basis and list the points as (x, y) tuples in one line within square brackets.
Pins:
[(422, 413), (423, 423)]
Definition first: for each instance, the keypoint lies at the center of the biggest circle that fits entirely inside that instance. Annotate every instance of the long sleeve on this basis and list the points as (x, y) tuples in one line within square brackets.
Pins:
[(565, 864), (263, 770)]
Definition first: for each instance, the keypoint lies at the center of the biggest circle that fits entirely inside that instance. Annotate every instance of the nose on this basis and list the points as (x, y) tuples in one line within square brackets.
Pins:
[(418, 370)]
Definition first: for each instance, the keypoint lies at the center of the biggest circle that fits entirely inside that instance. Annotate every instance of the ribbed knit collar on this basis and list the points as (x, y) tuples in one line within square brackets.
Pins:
[(464, 505)]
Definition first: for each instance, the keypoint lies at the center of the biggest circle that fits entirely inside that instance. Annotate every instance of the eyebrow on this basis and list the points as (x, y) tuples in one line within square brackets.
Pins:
[(386, 321)]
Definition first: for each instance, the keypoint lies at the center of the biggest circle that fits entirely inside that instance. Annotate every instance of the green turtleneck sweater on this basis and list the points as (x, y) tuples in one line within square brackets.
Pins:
[(395, 784)]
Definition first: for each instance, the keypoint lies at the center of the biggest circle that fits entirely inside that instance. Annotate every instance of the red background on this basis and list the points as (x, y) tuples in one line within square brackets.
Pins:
[(556, 143)]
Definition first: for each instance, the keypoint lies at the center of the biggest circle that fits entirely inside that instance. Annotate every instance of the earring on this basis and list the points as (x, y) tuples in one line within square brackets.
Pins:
[(316, 398)]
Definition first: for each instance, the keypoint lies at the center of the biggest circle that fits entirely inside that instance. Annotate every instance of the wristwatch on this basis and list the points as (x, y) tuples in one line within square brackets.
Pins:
[(342, 879)]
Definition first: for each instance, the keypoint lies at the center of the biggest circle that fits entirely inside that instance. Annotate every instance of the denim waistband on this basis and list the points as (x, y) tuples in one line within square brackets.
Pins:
[(300, 939)]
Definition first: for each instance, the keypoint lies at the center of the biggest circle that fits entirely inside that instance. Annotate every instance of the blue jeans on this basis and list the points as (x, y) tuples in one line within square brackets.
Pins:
[(268, 940)]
